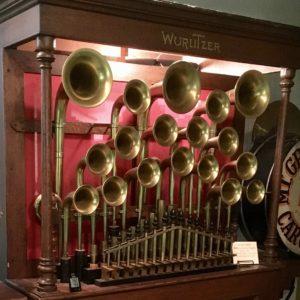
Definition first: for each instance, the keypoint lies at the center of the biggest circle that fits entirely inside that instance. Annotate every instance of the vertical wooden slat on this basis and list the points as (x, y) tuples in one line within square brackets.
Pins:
[(13, 92), (271, 243), (47, 280)]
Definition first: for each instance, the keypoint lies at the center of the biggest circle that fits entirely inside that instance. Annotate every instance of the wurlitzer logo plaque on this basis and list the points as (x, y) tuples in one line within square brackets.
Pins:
[(288, 224)]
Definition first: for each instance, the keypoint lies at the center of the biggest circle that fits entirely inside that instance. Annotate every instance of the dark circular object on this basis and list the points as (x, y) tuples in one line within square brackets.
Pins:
[(253, 220)]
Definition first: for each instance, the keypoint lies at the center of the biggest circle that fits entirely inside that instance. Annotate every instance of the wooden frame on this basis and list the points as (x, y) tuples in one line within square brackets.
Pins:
[(196, 32)]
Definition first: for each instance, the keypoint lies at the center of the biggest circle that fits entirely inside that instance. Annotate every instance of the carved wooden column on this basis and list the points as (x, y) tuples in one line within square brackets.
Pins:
[(47, 280), (271, 243)]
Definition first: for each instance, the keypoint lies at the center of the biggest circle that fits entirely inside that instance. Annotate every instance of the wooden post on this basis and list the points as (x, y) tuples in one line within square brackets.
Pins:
[(271, 243), (47, 280)]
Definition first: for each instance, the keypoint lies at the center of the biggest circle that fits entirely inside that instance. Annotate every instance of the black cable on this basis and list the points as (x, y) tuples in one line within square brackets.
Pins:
[(291, 291)]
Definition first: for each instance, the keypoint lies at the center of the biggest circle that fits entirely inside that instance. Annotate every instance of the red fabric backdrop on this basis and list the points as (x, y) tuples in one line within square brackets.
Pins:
[(75, 147)]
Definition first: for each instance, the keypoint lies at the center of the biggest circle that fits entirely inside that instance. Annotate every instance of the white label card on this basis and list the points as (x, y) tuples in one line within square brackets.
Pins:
[(245, 253)]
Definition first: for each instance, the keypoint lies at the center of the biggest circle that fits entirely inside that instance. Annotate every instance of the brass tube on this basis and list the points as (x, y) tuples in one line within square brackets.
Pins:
[(60, 114)]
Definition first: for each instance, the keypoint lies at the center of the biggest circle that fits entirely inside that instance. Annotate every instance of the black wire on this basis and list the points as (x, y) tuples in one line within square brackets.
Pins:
[(291, 291)]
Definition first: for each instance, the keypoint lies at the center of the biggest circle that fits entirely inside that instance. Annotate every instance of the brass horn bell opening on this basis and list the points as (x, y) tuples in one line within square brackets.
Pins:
[(86, 199), (231, 191), (252, 94), (165, 130), (182, 161), (197, 132), (87, 77), (137, 97), (208, 168), (127, 142), (246, 165), (148, 172), (181, 87), (100, 159), (218, 106), (114, 191), (228, 141), (255, 192)]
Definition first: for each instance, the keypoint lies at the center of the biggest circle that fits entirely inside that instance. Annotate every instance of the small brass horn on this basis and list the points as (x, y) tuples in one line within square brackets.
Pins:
[(182, 161), (137, 97), (86, 199), (255, 191), (227, 141), (197, 132), (100, 159), (114, 191), (148, 172), (246, 165), (231, 191), (252, 94), (165, 130), (127, 142), (208, 168), (217, 106), (181, 87)]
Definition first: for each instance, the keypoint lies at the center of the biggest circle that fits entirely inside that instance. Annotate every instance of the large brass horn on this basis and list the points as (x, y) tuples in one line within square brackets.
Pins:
[(181, 87), (255, 191), (217, 106), (227, 141), (208, 168), (251, 94), (197, 132), (114, 191), (245, 166), (87, 81), (100, 159), (127, 142)]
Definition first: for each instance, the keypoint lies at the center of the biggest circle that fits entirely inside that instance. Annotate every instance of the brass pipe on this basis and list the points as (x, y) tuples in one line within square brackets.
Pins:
[(148, 174), (86, 80), (181, 162)]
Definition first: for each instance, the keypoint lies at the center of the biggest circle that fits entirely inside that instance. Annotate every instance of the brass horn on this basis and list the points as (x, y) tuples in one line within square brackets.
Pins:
[(137, 96), (100, 159), (245, 166), (255, 191), (127, 142), (181, 87), (217, 106), (251, 94), (227, 141), (87, 81), (197, 132), (231, 191), (164, 131), (208, 168), (147, 172), (182, 161), (114, 191), (86, 199)]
